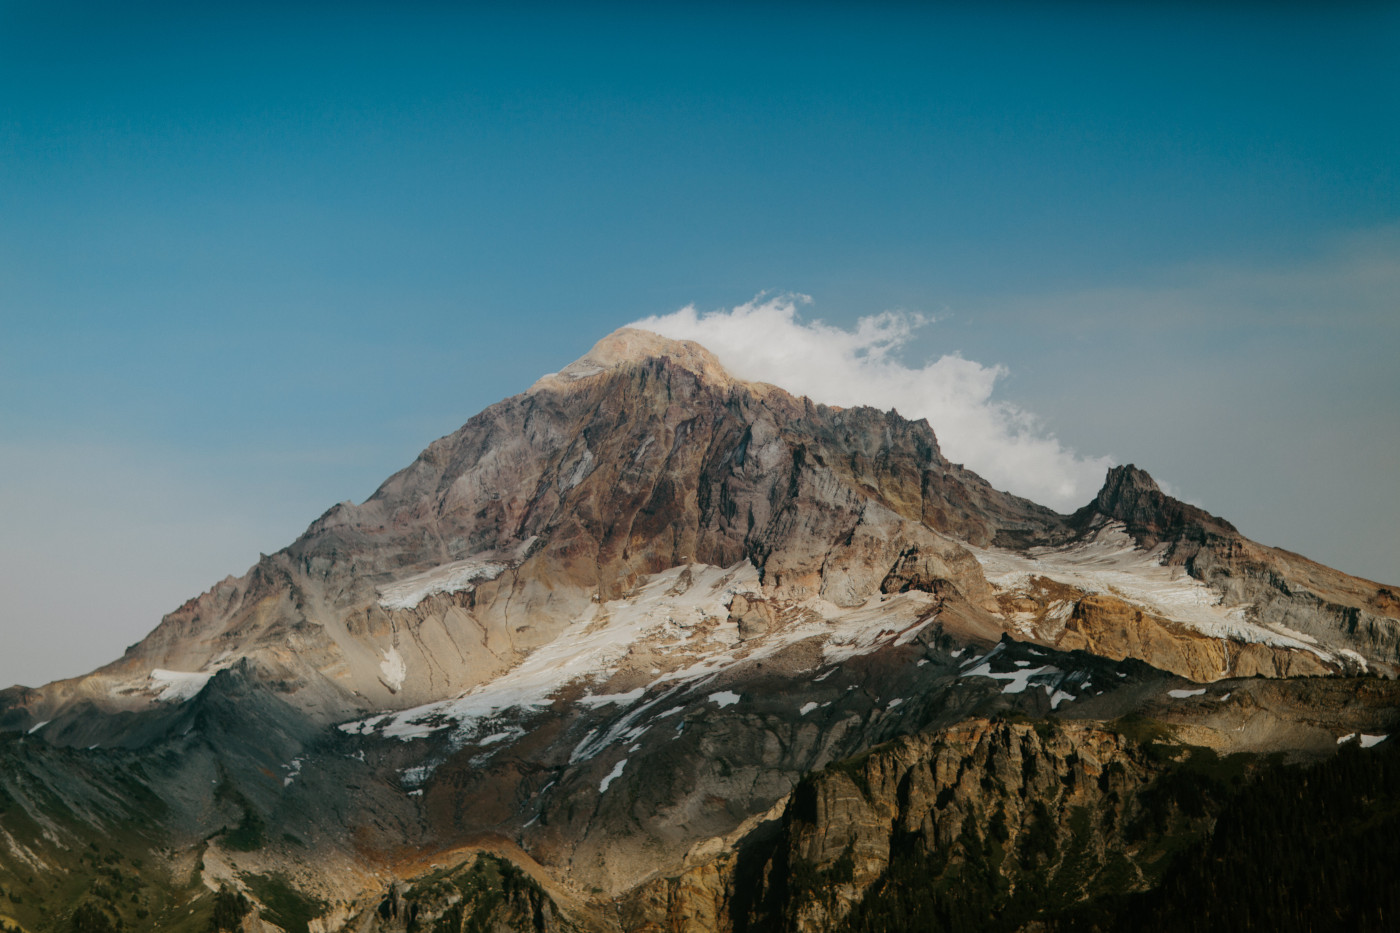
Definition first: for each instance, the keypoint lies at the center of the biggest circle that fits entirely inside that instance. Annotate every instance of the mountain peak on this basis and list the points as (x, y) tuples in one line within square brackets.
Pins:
[(1128, 477), (1133, 497), (632, 345)]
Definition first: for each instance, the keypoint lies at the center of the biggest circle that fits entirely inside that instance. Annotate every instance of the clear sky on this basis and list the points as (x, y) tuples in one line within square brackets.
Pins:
[(254, 257)]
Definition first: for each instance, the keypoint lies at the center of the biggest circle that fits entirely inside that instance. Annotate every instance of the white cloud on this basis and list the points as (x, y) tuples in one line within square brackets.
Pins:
[(765, 341)]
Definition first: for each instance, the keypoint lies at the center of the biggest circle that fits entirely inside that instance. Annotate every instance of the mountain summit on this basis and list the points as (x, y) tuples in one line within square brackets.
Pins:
[(1132, 497), (628, 345), (605, 632)]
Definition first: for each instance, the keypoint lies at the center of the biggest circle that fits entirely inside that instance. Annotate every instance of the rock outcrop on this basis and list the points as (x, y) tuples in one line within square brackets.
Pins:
[(1152, 517), (1008, 798)]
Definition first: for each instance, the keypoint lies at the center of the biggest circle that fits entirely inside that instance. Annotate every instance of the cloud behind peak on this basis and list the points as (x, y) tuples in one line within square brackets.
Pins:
[(766, 340)]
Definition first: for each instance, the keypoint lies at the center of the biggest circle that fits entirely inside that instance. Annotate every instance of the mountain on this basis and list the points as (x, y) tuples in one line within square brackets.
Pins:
[(648, 647)]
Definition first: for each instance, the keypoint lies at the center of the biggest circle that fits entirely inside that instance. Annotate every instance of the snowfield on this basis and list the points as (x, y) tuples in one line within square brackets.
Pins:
[(1111, 563), (684, 612)]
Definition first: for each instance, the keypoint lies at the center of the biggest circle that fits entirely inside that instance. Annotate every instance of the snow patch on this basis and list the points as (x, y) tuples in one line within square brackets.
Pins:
[(724, 698), (580, 473), (37, 726), (909, 634), (449, 578), (413, 777), (604, 699), (1355, 658), (365, 726), (1183, 694), (1366, 740), (612, 775), (393, 669), (1017, 680), (807, 708), (495, 737), (865, 628), (178, 686)]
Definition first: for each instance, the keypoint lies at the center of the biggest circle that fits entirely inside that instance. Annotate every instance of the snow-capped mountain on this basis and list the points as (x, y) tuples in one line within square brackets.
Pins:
[(592, 647)]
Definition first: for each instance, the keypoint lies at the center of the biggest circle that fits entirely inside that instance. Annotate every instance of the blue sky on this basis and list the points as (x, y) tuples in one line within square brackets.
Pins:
[(253, 257)]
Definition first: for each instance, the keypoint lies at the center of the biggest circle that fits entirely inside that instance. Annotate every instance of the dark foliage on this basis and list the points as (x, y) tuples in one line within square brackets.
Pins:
[(230, 907), (1307, 848), (1303, 849), (494, 895), (285, 906), (90, 918)]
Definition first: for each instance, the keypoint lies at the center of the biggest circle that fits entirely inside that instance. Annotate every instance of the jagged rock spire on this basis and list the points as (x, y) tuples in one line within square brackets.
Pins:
[(1133, 497)]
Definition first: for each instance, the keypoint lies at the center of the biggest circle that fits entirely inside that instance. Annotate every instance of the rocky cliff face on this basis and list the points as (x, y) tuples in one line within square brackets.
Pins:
[(987, 825), (1011, 800), (982, 806)]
